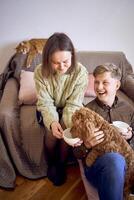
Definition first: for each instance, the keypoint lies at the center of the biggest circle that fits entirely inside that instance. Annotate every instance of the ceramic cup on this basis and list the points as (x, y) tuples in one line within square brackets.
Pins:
[(121, 126), (68, 137)]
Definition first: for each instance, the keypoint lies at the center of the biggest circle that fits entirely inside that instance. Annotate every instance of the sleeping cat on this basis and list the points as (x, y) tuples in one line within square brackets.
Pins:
[(31, 48)]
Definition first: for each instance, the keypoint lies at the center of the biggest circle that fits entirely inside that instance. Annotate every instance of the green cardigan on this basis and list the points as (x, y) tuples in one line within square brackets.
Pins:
[(60, 91)]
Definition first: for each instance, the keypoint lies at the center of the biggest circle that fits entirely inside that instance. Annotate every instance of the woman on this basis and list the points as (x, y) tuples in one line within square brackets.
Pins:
[(60, 84)]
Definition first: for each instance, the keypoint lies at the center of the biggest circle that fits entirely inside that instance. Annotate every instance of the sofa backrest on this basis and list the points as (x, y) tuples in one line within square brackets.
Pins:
[(90, 59)]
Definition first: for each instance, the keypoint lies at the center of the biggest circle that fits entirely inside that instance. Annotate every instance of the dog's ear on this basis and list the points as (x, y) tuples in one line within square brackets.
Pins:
[(87, 130), (90, 127), (76, 116)]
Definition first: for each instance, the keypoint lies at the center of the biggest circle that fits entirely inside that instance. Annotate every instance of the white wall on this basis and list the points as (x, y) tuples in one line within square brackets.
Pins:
[(91, 24)]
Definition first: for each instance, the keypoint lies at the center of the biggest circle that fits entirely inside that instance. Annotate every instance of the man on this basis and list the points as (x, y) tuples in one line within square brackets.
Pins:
[(107, 174)]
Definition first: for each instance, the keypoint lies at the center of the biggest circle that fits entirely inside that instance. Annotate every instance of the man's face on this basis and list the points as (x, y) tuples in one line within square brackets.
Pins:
[(61, 61), (106, 87)]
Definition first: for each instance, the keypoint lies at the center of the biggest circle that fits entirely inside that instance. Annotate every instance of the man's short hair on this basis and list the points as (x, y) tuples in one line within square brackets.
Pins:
[(108, 67)]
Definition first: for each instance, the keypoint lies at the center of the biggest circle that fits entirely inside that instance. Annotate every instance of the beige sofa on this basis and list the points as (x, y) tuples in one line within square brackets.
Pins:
[(23, 136)]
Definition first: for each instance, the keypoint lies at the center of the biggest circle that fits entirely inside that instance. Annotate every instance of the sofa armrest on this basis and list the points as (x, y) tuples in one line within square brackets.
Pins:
[(21, 143), (128, 87), (9, 100), (10, 93)]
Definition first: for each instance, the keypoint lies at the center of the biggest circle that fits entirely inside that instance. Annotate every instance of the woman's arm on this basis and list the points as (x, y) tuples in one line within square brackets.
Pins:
[(45, 103), (75, 100)]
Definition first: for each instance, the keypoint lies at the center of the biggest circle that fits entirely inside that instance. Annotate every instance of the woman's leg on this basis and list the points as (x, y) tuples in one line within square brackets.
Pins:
[(62, 160), (107, 175), (64, 148), (51, 157), (56, 151), (50, 144)]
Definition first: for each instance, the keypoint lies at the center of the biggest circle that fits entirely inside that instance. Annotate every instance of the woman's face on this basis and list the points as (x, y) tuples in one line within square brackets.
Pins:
[(61, 61)]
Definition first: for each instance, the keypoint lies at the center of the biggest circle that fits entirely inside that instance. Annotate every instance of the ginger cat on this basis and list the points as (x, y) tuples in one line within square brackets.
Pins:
[(31, 48)]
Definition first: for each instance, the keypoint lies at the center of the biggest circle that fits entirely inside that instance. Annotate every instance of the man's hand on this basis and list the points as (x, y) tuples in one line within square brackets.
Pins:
[(95, 139), (57, 130)]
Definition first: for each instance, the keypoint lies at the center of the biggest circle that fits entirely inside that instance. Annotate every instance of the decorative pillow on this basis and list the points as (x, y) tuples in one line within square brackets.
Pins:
[(90, 88), (27, 92)]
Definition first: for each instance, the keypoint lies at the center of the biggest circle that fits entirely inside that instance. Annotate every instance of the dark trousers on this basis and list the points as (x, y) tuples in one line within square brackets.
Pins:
[(56, 150)]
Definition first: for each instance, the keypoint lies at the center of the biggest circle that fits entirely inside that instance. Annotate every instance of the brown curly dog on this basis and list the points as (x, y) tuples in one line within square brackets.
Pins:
[(84, 122)]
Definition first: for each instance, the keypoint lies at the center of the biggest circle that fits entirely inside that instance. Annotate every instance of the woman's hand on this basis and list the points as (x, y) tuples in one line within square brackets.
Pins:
[(57, 130), (127, 135), (95, 139)]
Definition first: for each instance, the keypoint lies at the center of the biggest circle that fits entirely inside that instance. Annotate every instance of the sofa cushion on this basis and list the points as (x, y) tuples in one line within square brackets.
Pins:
[(27, 92), (90, 88)]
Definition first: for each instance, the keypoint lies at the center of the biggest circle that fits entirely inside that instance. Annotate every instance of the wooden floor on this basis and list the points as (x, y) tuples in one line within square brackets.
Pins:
[(43, 189)]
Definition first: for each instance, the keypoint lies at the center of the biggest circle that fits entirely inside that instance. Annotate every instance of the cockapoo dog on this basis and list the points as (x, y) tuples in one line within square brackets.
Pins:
[(84, 122)]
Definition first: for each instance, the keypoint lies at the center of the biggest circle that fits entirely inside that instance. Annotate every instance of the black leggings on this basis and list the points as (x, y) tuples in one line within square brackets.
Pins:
[(56, 150)]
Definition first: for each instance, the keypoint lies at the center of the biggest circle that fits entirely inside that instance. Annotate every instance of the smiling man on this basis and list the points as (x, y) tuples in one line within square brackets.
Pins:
[(107, 104), (108, 172)]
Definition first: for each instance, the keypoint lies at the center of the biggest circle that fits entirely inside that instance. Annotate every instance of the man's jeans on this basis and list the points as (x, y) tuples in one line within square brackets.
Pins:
[(107, 175)]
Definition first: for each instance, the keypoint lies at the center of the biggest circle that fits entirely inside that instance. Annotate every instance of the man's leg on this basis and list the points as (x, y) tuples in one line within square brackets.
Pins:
[(107, 175)]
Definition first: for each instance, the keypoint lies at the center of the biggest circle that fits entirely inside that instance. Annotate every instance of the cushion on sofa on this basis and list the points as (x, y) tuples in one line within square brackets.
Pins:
[(27, 92), (90, 88)]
